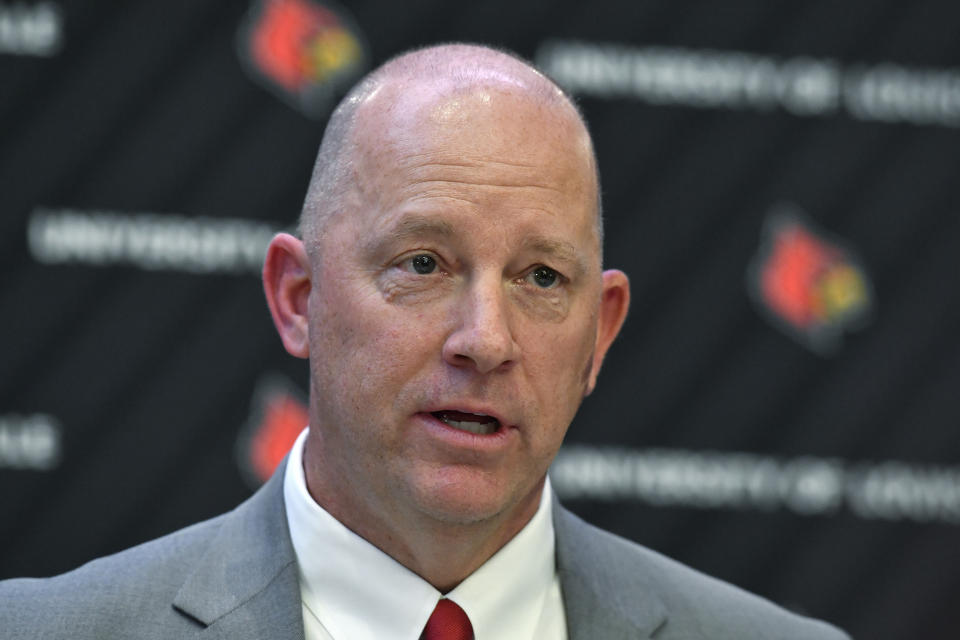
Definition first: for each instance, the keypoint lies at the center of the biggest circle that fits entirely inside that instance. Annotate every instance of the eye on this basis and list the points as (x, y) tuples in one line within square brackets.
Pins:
[(544, 277), (423, 264)]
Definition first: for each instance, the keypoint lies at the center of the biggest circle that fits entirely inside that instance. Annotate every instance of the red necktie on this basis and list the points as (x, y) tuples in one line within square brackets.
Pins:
[(447, 622)]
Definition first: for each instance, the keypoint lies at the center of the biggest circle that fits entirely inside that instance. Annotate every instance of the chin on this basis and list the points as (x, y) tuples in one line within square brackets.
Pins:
[(468, 498)]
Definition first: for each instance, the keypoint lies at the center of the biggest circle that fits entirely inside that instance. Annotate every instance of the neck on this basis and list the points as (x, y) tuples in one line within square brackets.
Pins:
[(442, 551)]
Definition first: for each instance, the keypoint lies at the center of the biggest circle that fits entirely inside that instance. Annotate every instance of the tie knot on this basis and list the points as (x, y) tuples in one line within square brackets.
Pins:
[(447, 622)]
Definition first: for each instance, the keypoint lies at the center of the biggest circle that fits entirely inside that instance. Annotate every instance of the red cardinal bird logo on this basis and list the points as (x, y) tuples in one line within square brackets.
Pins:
[(306, 52), (278, 414), (810, 285)]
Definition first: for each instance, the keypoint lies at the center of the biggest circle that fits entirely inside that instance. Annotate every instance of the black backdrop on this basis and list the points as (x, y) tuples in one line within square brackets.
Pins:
[(779, 182)]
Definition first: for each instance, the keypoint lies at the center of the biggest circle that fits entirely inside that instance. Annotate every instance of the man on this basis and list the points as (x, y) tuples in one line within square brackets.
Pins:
[(448, 292)]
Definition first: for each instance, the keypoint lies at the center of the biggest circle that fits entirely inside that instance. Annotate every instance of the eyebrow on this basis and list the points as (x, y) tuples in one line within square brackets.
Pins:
[(559, 249), (417, 226), (410, 228), (421, 226)]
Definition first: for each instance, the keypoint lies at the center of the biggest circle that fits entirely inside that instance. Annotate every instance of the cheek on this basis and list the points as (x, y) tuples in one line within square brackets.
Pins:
[(559, 360), (375, 345), (569, 341)]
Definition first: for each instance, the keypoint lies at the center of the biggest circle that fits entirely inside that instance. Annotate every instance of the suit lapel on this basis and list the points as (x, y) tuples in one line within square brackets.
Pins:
[(606, 593), (246, 585)]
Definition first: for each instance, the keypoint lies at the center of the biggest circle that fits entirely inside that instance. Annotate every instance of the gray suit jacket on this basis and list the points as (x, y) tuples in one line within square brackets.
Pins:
[(235, 576)]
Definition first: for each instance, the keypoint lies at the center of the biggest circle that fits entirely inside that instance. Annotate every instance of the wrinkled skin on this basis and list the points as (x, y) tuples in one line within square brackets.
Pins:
[(463, 274)]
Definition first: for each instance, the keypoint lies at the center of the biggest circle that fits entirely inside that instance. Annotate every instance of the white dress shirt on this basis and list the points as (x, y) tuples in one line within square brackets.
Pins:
[(353, 591)]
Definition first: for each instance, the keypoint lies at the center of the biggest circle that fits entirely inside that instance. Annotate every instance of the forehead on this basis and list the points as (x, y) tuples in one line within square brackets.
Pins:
[(491, 146), (499, 121)]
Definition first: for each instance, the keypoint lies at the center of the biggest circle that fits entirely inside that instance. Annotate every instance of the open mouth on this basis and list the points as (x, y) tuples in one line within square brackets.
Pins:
[(479, 424)]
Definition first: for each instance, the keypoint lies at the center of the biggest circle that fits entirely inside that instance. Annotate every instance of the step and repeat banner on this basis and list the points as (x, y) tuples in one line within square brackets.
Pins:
[(780, 182)]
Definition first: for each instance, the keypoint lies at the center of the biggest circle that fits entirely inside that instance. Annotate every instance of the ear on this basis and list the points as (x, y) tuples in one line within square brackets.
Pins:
[(286, 283), (614, 302)]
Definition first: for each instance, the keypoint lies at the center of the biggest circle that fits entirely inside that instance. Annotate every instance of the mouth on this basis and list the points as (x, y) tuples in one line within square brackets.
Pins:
[(476, 423)]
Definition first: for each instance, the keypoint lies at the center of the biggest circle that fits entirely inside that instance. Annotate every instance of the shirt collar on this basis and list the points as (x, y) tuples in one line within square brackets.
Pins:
[(503, 598)]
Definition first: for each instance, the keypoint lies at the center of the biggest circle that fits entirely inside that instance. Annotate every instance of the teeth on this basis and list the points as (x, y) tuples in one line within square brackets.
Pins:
[(479, 428)]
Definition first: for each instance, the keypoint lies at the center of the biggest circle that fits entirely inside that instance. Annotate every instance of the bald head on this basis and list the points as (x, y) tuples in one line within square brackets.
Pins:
[(450, 263), (416, 78)]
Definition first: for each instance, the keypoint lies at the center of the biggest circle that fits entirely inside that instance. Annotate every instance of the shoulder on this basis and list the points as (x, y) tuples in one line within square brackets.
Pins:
[(236, 570), (132, 589), (690, 604)]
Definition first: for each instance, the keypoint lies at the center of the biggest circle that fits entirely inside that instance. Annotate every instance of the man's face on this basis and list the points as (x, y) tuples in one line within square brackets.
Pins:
[(453, 307)]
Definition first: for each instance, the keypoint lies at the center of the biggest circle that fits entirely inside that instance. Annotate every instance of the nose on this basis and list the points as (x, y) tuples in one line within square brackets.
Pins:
[(482, 337)]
